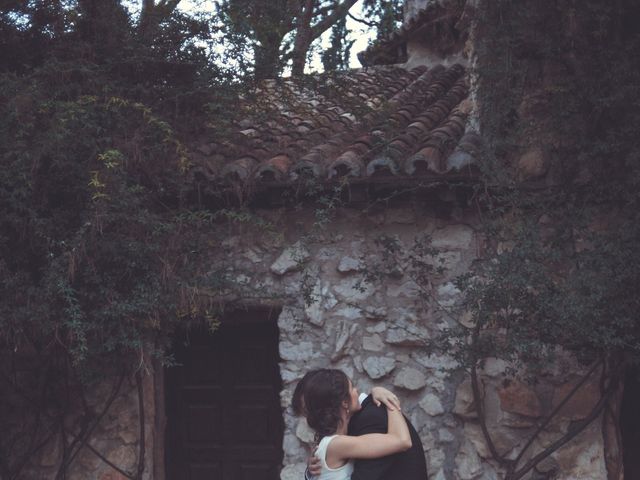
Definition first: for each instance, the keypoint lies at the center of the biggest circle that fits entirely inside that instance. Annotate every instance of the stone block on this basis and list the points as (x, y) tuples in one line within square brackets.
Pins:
[(432, 405), (304, 432), (378, 327), (353, 289), (435, 458), (513, 420), (128, 437), (375, 313), (440, 475), (372, 343), (293, 472), (112, 476), (406, 335), (445, 435), (410, 378), (519, 398), (253, 256), (291, 259), (302, 351), (446, 260), (124, 456), (349, 265), (321, 301), (453, 237), (290, 319), (402, 216), (584, 457), (346, 330), (349, 313), (378, 367), (580, 404), (473, 433), (447, 294), (533, 164), (436, 362), (51, 453), (493, 367), (408, 289), (289, 375), (464, 405), (468, 464)]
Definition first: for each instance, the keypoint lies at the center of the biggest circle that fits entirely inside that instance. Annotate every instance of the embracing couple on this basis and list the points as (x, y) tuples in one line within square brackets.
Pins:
[(360, 437)]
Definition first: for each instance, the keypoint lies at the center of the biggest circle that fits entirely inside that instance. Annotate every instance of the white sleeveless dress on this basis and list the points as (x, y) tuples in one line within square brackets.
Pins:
[(341, 473)]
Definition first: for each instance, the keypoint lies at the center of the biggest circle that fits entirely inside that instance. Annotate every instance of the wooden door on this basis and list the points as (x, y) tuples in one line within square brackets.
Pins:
[(224, 420)]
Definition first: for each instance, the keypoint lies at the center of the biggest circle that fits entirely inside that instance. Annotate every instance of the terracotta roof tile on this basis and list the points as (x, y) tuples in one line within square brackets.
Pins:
[(376, 122)]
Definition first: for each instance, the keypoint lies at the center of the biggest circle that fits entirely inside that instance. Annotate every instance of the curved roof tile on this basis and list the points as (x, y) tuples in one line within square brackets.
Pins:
[(373, 122)]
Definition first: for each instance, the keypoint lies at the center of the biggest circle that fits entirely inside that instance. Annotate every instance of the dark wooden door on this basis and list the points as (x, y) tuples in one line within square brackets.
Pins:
[(224, 420)]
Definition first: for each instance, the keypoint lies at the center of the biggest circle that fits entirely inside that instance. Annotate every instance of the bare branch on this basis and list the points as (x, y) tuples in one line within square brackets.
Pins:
[(362, 21), (555, 411), (85, 437), (573, 431), (108, 462), (340, 11), (141, 421), (477, 399)]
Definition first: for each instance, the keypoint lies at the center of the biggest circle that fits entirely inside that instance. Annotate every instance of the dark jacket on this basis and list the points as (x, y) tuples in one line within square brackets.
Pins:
[(409, 465)]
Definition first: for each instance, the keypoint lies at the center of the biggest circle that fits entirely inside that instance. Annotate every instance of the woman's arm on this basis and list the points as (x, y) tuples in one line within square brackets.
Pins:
[(373, 445), (382, 395)]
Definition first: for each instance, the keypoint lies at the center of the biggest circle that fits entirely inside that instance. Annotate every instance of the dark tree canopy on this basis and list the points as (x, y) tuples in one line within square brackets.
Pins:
[(95, 103), (98, 228), (280, 33)]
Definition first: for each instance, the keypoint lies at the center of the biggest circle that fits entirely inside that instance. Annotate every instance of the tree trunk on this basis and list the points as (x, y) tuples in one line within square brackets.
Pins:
[(267, 62), (151, 15), (306, 33), (303, 39)]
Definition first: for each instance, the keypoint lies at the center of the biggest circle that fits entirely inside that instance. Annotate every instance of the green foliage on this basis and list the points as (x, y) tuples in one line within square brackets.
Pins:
[(565, 81), (266, 37), (336, 57), (92, 181), (384, 15)]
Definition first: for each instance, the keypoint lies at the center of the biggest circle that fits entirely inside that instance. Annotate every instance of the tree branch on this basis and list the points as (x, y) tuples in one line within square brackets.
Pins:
[(141, 420), (85, 436), (146, 7), (564, 401), (108, 462), (340, 11), (362, 21), (573, 431), (477, 399)]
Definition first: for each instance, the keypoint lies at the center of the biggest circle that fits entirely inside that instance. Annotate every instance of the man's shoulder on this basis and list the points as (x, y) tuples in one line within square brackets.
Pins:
[(370, 413), (370, 408)]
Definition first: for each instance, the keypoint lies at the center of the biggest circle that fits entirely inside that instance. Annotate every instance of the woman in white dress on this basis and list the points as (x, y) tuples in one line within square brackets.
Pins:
[(330, 399)]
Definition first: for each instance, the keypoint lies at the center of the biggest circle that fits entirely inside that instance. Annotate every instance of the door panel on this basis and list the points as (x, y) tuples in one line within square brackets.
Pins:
[(224, 420)]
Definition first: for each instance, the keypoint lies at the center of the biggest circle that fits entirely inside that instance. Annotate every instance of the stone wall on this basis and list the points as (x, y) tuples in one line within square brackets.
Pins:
[(79, 425), (375, 332)]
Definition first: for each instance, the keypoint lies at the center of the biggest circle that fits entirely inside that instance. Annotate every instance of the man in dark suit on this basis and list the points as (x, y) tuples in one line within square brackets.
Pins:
[(407, 465)]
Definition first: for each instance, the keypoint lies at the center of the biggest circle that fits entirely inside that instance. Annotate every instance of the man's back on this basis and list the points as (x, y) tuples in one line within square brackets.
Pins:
[(409, 465)]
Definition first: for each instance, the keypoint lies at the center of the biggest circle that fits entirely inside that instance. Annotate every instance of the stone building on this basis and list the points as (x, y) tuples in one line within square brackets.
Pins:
[(392, 150)]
